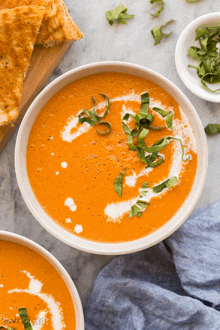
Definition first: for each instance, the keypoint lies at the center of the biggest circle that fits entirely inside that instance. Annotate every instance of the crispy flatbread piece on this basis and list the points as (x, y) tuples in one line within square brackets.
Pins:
[(57, 25), (18, 31)]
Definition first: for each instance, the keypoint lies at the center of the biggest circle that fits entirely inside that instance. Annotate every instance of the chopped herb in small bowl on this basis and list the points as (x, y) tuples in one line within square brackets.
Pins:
[(197, 57)]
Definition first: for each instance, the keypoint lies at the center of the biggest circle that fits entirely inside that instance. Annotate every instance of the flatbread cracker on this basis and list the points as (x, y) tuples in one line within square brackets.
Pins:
[(18, 31), (57, 25)]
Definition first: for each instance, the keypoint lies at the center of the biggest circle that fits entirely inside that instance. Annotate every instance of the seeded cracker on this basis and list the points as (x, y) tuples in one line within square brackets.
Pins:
[(18, 31), (57, 25)]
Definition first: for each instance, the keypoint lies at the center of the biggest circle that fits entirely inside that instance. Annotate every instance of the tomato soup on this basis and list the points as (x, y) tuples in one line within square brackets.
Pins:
[(72, 168), (29, 281)]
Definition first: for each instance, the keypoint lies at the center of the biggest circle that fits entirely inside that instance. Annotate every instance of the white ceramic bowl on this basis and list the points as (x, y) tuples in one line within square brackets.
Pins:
[(189, 76), (109, 248), (59, 268)]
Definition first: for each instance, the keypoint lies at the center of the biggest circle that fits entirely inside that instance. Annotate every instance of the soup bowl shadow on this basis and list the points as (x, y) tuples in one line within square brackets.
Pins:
[(11, 237), (99, 247)]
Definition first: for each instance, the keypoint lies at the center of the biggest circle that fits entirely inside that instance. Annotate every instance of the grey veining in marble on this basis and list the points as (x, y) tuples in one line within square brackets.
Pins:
[(102, 42)]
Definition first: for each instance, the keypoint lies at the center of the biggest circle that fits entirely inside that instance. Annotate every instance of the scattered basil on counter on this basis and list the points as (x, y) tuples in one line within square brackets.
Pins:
[(212, 129), (192, 0), (208, 69), (93, 118), (158, 34), (118, 183), (161, 8), (166, 184), (118, 14), (24, 317)]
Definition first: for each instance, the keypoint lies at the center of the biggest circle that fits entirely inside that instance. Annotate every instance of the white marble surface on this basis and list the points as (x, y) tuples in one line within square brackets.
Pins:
[(131, 43)]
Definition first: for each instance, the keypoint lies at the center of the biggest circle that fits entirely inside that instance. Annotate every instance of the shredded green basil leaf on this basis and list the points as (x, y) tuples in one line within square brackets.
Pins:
[(166, 184), (107, 108), (145, 101), (129, 137), (208, 56), (192, 0), (182, 147), (169, 120), (168, 116), (93, 118), (118, 14), (145, 185), (162, 112), (4, 327), (154, 160), (106, 124), (140, 205), (118, 183), (141, 137), (24, 317), (161, 8), (158, 34), (212, 129)]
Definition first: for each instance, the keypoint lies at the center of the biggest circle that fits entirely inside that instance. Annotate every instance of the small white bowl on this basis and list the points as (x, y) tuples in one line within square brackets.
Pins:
[(189, 76), (59, 268), (97, 247)]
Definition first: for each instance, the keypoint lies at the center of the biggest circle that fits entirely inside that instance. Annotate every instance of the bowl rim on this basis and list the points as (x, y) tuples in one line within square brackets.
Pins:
[(121, 247), (179, 53), (16, 238)]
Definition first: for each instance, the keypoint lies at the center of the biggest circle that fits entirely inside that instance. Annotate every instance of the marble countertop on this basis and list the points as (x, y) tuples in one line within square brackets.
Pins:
[(102, 42)]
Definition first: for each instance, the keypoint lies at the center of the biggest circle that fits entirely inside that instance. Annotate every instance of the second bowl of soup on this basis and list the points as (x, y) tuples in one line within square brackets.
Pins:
[(35, 290)]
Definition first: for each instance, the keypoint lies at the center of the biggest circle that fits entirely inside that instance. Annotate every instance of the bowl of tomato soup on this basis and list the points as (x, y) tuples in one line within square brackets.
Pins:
[(36, 288), (111, 158)]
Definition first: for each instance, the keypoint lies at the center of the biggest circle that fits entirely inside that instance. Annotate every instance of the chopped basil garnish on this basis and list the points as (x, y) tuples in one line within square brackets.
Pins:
[(118, 184), (162, 112), (208, 69), (130, 140), (169, 120), (118, 14), (4, 327), (161, 8), (93, 118), (182, 147), (24, 317), (106, 124), (168, 116), (145, 185), (166, 184), (142, 122), (212, 129), (140, 205), (107, 109), (158, 34), (141, 137)]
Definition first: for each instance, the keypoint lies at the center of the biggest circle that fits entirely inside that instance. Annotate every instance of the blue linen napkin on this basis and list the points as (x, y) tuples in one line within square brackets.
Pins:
[(173, 285)]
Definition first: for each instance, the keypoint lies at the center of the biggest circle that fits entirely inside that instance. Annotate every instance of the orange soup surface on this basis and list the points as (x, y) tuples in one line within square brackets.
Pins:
[(29, 281), (72, 168)]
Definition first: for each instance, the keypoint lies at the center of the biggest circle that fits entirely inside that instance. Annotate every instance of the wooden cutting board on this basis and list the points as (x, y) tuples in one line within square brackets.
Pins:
[(43, 62)]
